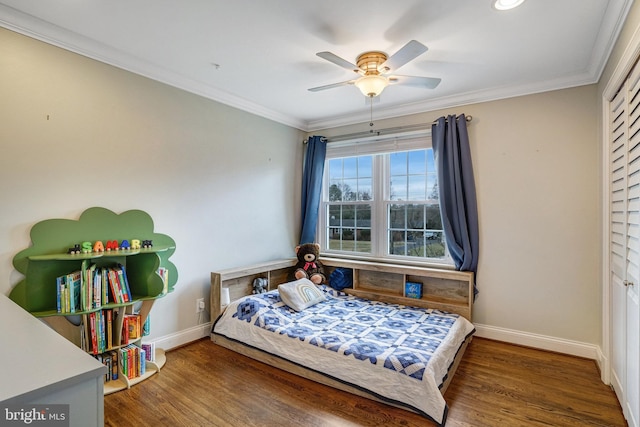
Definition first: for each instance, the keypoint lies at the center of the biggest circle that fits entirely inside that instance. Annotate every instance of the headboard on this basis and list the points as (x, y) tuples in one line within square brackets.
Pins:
[(442, 289)]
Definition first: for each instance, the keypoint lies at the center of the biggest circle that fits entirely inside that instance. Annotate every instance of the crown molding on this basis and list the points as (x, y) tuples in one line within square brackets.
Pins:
[(487, 95), (36, 28), (46, 32)]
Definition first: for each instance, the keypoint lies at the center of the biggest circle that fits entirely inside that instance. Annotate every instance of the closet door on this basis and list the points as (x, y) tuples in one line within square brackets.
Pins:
[(618, 239), (633, 250), (625, 246)]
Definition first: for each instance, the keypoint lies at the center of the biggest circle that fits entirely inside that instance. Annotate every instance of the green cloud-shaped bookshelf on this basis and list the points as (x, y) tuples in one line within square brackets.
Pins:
[(98, 321)]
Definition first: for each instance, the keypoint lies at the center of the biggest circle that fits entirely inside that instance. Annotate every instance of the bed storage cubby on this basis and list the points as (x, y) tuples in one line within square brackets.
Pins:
[(442, 289), (239, 281)]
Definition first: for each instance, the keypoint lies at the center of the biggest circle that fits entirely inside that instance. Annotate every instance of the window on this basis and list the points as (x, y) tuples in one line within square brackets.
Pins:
[(350, 204), (380, 200)]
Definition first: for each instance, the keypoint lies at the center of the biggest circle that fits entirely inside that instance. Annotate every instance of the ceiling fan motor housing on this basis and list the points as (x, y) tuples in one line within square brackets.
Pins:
[(370, 61)]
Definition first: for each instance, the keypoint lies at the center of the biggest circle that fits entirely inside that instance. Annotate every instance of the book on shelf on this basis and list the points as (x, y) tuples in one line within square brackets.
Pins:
[(107, 361), (164, 274), (124, 283), (107, 294), (94, 287), (59, 289), (146, 328), (68, 292), (413, 289), (74, 283), (142, 362), (119, 284), (150, 351), (109, 327), (83, 336), (92, 333), (114, 286), (98, 331), (102, 342), (124, 334), (122, 361), (89, 297), (114, 365), (133, 326)]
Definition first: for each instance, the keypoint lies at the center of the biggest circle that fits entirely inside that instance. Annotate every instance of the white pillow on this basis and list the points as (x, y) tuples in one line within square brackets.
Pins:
[(301, 294)]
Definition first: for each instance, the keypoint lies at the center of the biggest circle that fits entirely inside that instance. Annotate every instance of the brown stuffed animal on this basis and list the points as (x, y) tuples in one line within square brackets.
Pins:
[(308, 265)]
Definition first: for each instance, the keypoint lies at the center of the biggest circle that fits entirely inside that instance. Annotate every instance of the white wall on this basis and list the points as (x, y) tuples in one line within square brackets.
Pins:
[(536, 161), (76, 133)]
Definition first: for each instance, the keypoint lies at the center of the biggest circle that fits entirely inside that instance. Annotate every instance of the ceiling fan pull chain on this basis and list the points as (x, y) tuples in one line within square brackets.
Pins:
[(371, 120)]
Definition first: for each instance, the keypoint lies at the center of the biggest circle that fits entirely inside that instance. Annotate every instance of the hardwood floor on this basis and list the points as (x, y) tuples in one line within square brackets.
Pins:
[(497, 384)]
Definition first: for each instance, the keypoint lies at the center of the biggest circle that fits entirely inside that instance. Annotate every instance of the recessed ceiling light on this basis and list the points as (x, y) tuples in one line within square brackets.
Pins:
[(506, 4)]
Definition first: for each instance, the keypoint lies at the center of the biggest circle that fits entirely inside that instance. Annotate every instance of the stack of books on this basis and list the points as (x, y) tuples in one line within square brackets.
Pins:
[(110, 360), (91, 288), (132, 361)]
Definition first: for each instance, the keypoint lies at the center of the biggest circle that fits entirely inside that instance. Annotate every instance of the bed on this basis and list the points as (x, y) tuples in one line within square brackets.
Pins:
[(380, 347)]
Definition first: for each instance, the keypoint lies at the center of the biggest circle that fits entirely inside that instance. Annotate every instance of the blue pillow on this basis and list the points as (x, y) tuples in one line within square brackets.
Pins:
[(341, 278)]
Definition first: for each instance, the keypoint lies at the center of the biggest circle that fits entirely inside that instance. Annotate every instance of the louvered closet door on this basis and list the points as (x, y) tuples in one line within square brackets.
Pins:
[(618, 243), (625, 245)]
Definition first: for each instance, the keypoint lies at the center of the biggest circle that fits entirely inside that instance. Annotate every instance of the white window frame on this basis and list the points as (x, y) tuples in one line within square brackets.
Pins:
[(416, 140)]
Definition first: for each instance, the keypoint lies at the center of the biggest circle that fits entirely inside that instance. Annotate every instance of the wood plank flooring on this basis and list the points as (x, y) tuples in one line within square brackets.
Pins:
[(497, 384)]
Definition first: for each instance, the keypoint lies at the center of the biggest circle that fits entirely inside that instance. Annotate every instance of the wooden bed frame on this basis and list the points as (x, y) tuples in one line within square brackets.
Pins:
[(447, 290)]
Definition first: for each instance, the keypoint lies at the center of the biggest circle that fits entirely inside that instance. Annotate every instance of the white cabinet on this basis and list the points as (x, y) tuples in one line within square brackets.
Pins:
[(38, 366)]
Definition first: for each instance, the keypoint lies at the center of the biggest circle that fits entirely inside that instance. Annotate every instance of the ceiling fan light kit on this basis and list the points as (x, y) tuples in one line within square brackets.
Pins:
[(372, 85)]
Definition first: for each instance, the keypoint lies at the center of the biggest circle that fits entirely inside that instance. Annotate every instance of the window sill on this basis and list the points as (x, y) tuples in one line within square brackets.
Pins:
[(392, 261)]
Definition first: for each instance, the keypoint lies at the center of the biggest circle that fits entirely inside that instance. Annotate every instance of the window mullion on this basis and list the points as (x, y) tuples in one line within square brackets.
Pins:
[(379, 214), (321, 229)]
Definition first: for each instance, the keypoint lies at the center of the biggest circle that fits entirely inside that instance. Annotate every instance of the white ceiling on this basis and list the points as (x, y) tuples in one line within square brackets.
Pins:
[(266, 50)]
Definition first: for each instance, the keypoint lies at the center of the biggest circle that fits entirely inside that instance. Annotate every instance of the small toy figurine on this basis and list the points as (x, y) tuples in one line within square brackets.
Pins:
[(74, 250), (260, 285)]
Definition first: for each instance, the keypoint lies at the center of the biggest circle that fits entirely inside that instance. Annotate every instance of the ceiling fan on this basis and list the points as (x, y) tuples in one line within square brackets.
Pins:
[(374, 68)]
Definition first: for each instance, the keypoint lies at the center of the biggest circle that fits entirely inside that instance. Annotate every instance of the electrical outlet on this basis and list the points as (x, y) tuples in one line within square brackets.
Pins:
[(199, 305)]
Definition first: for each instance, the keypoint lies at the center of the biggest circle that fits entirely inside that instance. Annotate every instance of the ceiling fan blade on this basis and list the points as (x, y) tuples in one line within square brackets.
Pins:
[(409, 51), (424, 82), (331, 86), (331, 57)]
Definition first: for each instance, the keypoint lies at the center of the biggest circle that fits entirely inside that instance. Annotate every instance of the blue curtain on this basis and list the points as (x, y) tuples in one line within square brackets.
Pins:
[(312, 187), (458, 205)]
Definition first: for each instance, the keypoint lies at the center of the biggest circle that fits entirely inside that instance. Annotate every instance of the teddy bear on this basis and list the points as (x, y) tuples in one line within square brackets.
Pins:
[(308, 265)]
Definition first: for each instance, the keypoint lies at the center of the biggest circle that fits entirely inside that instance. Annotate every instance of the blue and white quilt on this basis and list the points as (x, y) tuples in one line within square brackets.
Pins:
[(398, 353)]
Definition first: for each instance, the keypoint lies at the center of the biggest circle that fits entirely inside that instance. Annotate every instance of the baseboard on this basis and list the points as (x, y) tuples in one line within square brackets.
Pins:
[(183, 337), (542, 342)]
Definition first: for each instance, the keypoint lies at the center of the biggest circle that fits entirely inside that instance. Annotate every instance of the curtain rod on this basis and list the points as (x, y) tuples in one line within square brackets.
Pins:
[(382, 132)]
